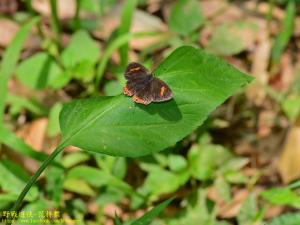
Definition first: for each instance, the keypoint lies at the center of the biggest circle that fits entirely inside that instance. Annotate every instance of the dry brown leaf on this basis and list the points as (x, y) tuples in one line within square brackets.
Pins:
[(285, 76), (112, 209), (33, 134), (296, 32), (133, 57), (261, 55), (273, 211), (289, 161), (232, 208), (264, 8), (71, 149), (211, 8), (266, 120), (230, 13), (154, 5), (66, 8), (8, 29), (213, 195), (8, 6), (92, 207), (142, 22)]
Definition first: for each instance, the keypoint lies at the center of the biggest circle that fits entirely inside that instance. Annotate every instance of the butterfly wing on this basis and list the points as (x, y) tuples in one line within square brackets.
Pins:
[(144, 87), (141, 90), (135, 71), (160, 90), (135, 75)]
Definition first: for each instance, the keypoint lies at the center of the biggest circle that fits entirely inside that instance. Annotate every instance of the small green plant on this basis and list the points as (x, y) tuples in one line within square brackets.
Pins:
[(117, 126)]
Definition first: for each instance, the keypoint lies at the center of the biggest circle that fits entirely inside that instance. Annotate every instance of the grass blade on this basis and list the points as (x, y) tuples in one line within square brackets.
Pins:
[(114, 45), (10, 139), (127, 15), (34, 178), (149, 216), (285, 35), (10, 59)]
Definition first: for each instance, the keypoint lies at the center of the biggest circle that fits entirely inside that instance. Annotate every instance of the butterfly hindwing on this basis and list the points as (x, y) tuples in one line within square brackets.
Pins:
[(160, 91), (140, 89)]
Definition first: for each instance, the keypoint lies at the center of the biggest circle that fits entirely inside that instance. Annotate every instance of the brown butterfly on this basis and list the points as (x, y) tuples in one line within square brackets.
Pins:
[(144, 87)]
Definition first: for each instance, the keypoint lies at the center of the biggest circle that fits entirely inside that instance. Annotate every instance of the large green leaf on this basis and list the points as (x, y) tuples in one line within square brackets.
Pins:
[(118, 126)]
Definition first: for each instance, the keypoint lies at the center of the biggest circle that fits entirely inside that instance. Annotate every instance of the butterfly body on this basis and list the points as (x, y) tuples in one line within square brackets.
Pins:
[(143, 87)]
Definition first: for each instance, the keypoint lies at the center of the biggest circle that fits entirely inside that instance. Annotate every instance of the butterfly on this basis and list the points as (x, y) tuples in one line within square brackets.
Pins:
[(143, 87)]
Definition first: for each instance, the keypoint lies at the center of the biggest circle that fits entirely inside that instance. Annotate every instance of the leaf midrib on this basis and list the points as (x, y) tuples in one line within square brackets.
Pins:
[(86, 125)]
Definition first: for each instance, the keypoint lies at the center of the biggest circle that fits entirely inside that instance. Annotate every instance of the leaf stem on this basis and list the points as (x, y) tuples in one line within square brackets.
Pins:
[(34, 178), (55, 21), (77, 15)]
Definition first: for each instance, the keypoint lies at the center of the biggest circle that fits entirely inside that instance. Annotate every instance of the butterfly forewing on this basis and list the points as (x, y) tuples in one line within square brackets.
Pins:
[(135, 71)]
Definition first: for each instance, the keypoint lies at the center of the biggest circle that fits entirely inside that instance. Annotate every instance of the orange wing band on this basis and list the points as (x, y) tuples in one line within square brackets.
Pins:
[(134, 69), (127, 92), (139, 100), (162, 91)]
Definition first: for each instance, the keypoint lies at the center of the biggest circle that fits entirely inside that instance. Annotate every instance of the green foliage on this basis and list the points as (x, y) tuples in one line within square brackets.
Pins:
[(18, 103), (291, 106), (74, 158), (14, 180), (286, 33), (80, 56), (282, 196), (9, 61), (87, 176), (204, 160), (248, 214), (149, 216), (230, 38), (196, 211), (286, 219), (37, 206), (10, 139), (126, 18), (55, 178), (53, 120), (105, 127), (39, 71), (119, 127), (166, 180), (6, 200), (185, 17), (112, 88)]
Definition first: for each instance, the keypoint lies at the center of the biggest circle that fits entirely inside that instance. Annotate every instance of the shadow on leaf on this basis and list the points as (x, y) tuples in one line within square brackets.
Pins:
[(167, 110)]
